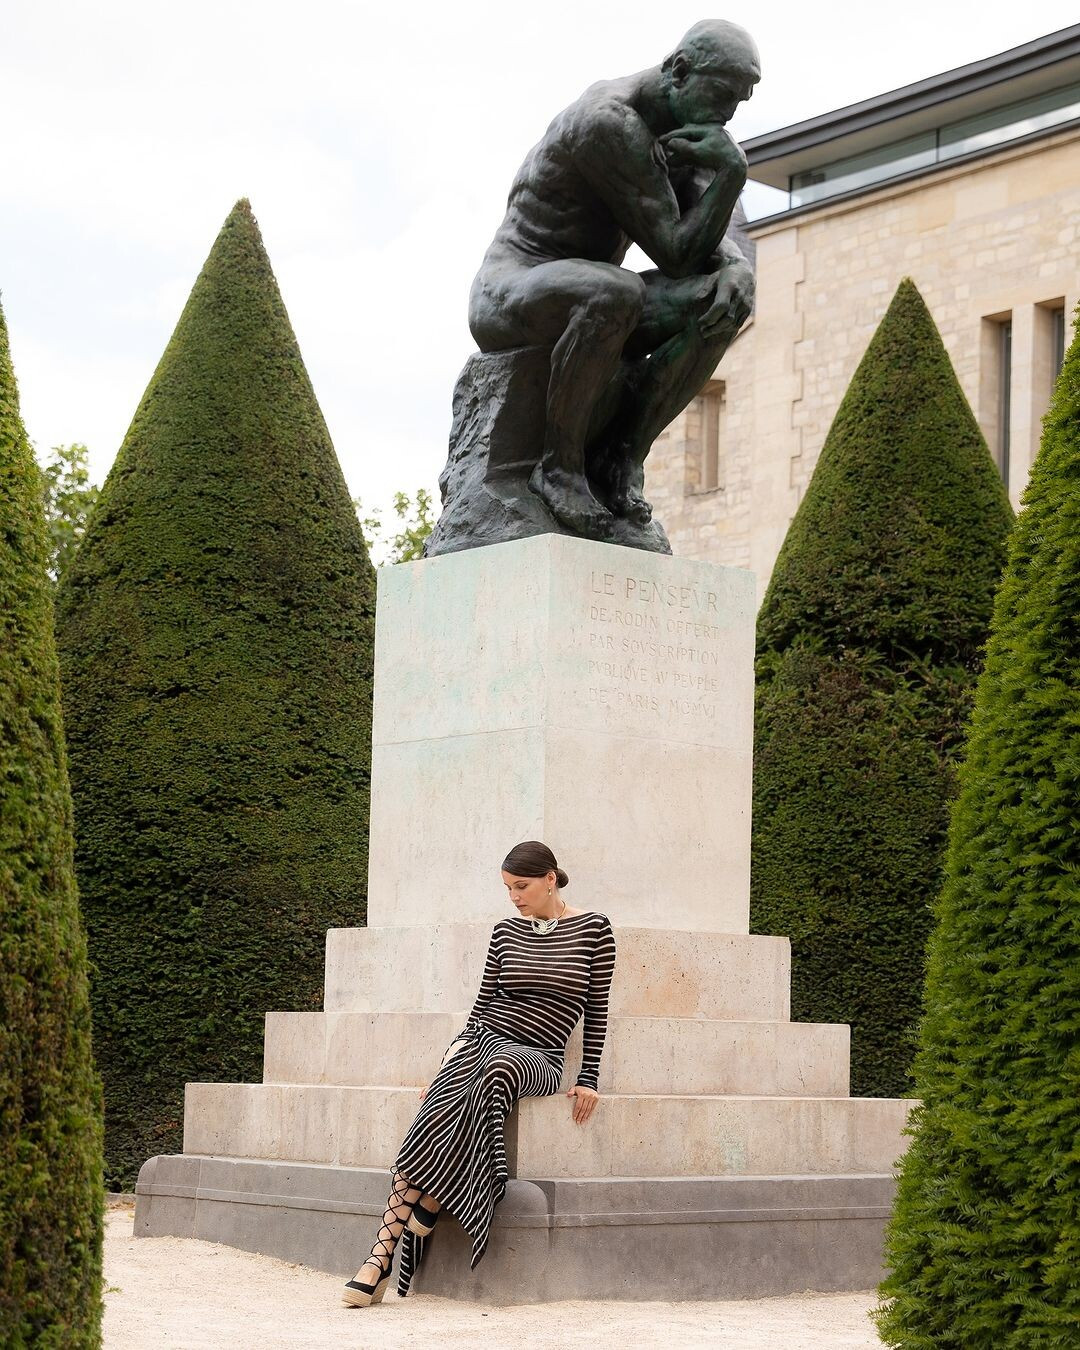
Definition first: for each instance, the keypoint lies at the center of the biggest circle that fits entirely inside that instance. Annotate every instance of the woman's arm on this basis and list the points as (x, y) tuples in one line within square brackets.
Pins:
[(596, 1007), (489, 981)]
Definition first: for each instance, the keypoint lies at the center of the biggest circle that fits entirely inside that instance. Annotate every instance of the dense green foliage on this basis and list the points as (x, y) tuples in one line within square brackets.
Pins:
[(51, 1197), (69, 498), (415, 523), (984, 1244), (216, 635), (869, 642)]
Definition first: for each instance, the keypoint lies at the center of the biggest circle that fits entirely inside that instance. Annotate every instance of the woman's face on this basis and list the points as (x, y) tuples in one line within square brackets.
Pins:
[(528, 894)]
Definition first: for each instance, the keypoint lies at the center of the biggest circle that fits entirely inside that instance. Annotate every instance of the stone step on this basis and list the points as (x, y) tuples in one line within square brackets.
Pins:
[(630, 1135), (642, 1054), (658, 972), (653, 1238)]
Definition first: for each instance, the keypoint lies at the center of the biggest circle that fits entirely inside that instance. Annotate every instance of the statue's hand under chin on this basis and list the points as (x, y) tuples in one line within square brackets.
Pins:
[(705, 146)]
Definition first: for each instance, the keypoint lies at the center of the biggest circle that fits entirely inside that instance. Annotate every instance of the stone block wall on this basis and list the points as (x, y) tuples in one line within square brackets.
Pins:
[(993, 240)]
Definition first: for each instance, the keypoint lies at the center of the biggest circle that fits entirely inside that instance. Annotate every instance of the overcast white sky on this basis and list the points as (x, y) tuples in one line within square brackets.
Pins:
[(376, 143)]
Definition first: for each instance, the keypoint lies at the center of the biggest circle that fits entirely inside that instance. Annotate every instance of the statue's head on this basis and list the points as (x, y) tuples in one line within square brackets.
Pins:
[(712, 70)]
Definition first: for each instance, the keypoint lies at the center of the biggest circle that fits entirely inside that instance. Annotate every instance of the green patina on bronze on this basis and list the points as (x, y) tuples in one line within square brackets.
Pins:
[(584, 362)]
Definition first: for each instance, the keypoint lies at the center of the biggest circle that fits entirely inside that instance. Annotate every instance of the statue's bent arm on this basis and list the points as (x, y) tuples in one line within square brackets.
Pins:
[(731, 260), (689, 190), (621, 160)]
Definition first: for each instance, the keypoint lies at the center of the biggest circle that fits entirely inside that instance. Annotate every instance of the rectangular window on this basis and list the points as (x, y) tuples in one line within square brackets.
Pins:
[(1057, 341), (704, 433), (988, 129), (1004, 397), (710, 440), (973, 135), (856, 171)]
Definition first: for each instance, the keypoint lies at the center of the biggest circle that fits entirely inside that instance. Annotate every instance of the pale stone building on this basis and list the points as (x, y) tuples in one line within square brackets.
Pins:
[(968, 182)]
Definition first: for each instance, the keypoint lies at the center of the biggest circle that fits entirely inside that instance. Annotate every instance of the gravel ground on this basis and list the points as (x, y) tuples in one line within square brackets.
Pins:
[(189, 1295)]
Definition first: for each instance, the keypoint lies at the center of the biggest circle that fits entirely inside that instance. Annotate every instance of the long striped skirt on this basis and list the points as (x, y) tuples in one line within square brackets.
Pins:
[(455, 1149)]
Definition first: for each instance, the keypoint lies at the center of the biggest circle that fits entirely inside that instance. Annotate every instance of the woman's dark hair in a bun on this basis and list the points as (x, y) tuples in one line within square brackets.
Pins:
[(533, 859)]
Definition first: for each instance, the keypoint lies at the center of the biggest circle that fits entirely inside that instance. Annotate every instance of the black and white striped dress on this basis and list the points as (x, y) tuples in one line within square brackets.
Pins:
[(534, 990)]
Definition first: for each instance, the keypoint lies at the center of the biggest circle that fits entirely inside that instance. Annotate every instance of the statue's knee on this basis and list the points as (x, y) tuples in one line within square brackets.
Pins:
[(616, 308), (636, 298)]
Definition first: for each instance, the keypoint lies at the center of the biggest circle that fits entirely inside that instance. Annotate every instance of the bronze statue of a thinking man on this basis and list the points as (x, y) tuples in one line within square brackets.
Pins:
[(645, 159)]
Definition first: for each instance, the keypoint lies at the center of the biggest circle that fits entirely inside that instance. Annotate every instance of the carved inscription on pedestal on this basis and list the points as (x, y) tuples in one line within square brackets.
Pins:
[(653, 649)]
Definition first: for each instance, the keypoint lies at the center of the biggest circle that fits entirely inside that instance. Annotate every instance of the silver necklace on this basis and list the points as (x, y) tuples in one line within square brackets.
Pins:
[(545, 926)]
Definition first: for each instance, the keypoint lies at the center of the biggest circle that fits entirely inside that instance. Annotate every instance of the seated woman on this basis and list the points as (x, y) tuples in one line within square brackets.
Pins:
[(544, 969)]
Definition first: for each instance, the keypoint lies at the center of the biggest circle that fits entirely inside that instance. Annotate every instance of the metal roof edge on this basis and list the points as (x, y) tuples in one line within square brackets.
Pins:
[(1044, 51), (1006, 149)]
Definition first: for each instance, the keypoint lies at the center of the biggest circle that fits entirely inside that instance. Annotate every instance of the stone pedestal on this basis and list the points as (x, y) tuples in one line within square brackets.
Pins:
[(599, 699)]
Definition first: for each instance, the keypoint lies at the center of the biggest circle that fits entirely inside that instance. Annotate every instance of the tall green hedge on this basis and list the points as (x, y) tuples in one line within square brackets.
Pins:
[(984, 1244), (51, 1197), (216, 635), (869, 643)]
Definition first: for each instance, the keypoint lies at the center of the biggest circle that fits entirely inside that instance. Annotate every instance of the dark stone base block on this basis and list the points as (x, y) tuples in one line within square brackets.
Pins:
[(496, 439), (616, 1238)]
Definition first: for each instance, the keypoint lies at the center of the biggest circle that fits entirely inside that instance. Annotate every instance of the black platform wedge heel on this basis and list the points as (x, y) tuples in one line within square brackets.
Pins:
[(360, 1295), (356, 1293), (422, 1220)]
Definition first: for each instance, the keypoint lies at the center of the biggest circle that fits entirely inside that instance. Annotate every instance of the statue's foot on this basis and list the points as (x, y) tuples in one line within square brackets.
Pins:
[(570, 501), (633, 506), (620, 485)]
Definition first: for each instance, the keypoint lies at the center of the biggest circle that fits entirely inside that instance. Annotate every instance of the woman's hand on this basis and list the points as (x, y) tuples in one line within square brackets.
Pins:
[(585, 1104), (423, 1093)]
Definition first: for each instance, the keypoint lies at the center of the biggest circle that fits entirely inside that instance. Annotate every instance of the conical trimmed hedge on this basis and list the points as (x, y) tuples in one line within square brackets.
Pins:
[(51, 1197), (869, 643), (216, 634), (984, 1244)]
